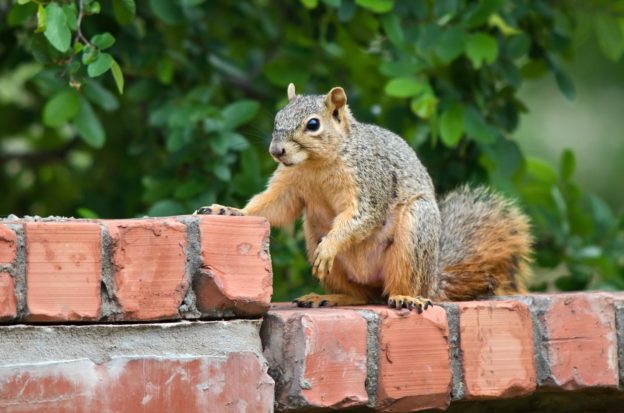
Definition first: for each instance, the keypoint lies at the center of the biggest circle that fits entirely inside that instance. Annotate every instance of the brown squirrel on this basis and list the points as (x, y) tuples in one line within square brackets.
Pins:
[(372, 225)]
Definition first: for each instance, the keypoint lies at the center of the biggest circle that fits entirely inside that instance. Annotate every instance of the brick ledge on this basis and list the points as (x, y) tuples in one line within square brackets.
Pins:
[(504, 349)]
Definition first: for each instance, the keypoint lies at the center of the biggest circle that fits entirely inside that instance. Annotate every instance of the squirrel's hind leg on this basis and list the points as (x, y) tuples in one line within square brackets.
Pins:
[(411, 260)]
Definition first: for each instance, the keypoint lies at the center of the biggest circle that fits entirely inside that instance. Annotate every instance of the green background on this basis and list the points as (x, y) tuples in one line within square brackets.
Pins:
[(120, 109)]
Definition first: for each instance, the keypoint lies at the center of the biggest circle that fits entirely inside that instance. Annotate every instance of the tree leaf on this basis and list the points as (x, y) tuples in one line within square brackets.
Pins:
[(118, 76), (404, 87), (239, 113), (518, 46), (41, 19), (451, 44), (89, 54), (178, 138), (124, 11), (222, 172), (164, 70), (103, 40), (378, 6), (564, 82), (168, 11), (568, 165), (482, 48), (481, 12), (237, 142), (57, 32), (101, 65), (21, 13), (477, 128), (391, 24), (61, 107), (424, 105), (309, 4), (452, 125), (100, 96), (219, 143), (610, 36), (88, 125), (541, 171), (71, 15)]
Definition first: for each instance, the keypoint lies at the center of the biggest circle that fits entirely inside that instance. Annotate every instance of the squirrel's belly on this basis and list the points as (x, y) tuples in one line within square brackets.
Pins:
[(364, 262)]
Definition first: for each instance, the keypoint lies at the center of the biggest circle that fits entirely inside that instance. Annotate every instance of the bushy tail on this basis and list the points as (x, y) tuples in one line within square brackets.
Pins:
[(485, 245)]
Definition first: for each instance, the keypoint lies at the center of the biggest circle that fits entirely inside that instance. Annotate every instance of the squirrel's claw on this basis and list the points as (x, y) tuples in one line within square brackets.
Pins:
[(216, 209), (405, 301), (323, 260), (314, 300)]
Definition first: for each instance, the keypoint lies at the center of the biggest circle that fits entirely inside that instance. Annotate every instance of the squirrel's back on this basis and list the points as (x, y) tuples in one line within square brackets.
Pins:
[(485, 245)]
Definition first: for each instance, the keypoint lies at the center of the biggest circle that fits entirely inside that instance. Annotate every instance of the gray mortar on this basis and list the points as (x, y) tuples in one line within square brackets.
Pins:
[(294, 356), (458, 389), (19, 270), (100, 343), (538, 307), (188, 308), (619, 329), (110, 308), (372, 354), (272, 337)]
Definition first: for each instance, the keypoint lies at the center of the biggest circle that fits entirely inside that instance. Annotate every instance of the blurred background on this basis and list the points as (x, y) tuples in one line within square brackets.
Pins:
[(117, 108)]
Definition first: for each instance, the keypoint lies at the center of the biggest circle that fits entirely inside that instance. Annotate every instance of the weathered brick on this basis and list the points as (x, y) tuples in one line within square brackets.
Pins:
[(149, 264), (8, 241), (8, 304), (414, 360), (234, 383), (173, 367), (497, 348), (580, 341), (236, 274), (63, 270), (317, 357)]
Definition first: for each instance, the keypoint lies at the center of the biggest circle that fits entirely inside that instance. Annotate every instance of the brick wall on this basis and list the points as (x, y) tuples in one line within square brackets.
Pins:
[(173, 315)]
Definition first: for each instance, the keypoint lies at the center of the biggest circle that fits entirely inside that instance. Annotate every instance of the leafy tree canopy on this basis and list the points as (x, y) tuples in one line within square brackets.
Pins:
[(118, 108)]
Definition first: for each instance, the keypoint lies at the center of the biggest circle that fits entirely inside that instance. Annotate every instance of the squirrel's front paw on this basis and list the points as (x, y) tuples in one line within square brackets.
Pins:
[(323, 259), (216, 209), (400, 301)]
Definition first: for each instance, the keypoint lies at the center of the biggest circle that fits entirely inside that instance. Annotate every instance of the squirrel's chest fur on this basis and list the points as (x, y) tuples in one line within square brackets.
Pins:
[(328, 192)]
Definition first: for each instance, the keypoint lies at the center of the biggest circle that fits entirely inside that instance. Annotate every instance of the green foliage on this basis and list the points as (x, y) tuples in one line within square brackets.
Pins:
[(188, 121)]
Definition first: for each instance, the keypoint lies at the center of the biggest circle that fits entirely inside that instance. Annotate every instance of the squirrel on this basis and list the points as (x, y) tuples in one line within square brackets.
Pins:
[(373, 227)]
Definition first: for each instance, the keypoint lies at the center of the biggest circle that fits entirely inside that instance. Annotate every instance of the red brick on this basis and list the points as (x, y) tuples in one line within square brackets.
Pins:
[(149, 261), (236, 266), (581, 341), (8, 242), (323, 355), (236, 383), (8, 305), (63, 271), (414, 360), (497, 349)]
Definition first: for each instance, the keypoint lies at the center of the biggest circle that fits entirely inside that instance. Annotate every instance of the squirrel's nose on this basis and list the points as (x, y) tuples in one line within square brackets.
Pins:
[(277, 151)]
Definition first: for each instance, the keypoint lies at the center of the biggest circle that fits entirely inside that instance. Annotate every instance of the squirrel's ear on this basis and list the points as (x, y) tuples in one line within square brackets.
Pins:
[(336, 98), (291, 91)]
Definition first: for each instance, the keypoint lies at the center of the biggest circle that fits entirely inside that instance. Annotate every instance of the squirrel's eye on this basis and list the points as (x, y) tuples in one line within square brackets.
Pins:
[(313, 125)]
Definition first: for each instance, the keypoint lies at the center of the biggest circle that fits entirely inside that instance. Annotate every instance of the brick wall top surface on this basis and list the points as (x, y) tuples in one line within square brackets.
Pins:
[(483, 350), (185, 267)]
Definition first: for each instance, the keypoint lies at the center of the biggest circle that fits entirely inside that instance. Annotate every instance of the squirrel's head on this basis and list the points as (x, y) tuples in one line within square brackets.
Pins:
[(310, 127)]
